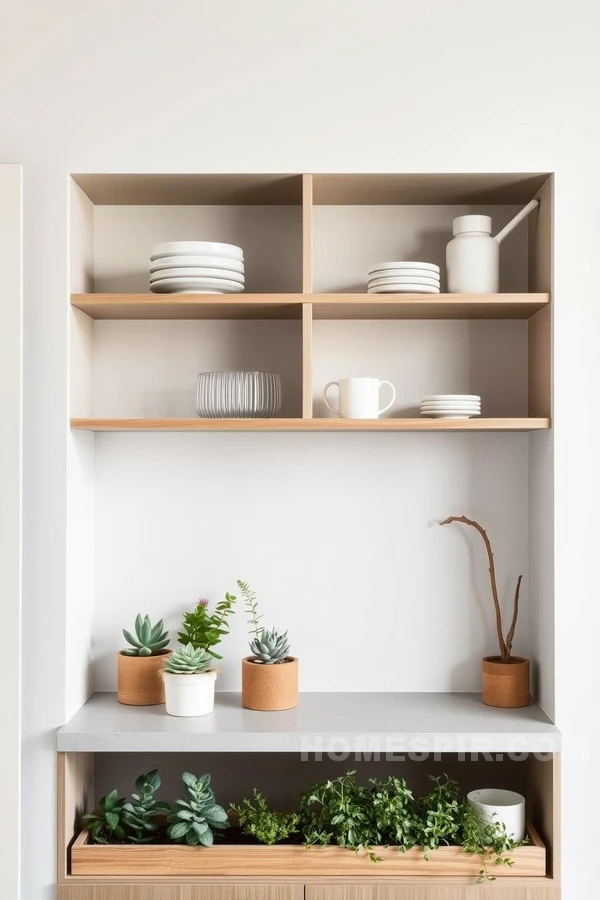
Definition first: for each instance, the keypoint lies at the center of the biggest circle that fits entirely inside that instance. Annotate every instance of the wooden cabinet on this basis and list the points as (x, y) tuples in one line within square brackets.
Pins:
[(433, 892), (181, 892)]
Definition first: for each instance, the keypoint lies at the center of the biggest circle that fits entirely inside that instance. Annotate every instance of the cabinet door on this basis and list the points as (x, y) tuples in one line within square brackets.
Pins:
[(496, 891), (180, 892), (10, 517)]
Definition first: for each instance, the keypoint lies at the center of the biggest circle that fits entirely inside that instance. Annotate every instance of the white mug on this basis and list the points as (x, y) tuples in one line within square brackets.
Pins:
[(358, 398)]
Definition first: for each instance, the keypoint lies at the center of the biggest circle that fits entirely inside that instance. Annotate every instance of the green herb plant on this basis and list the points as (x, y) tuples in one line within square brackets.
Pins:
[(141, 815), (267, 647), (339, 811), (148, 640), (394, 813), (266, 825), (205, 630), (105, 824), (191, 821)]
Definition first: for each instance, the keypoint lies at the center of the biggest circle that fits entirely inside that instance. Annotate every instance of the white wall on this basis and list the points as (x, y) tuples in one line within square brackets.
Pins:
[(325, 86), (11, 446)]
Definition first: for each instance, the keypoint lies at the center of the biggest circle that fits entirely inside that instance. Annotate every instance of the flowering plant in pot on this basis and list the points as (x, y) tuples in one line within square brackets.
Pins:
[(270, 675), (139, 665), (189, 677), (505, 677)]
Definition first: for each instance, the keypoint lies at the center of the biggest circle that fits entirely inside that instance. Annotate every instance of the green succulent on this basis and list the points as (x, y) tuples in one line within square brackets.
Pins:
[(105, 824), (270, 647), (193, 821), (149, 639), (140, 817), (187, 661)]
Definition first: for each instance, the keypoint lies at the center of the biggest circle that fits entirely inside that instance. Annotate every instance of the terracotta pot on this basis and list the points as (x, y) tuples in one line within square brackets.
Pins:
[(505, 684), (270, 687), (139, 679)]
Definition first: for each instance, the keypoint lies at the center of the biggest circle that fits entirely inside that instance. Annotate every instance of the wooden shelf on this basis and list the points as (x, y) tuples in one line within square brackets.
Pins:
[(452, 722), (310, 424), (324, 306)]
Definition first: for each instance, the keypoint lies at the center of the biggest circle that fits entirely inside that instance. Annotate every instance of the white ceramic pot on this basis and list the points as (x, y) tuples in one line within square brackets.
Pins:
[(493, 806), (190, 695), (473, 257)]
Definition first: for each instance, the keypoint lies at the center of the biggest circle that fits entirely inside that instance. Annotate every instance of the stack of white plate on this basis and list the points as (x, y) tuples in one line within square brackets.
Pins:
[(404, 278), (196, 267), (451, 406)]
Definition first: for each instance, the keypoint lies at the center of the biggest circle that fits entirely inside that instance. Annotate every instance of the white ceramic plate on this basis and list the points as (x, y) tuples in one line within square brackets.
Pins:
[(433, 415), (403, 289), (190, 272), (195, 248), (463, 405), (404, 273), (206, 262), (450, 412), (452, 397), (401, 279), (405, 265), (196, 285)]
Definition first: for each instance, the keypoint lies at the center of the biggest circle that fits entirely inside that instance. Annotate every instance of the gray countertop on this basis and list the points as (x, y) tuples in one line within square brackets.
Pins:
[(392, 723)]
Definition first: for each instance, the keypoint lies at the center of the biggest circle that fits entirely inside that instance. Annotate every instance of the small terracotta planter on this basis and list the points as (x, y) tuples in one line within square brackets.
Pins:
[(139, 679), (270, 687), (505, 684)]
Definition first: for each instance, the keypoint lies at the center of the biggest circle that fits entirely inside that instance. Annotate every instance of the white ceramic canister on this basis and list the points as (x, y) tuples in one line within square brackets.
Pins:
[(473, 257), (190, 695), (494, 806)]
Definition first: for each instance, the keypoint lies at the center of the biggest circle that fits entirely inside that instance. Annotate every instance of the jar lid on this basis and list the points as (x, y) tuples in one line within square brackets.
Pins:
[(472, 223)]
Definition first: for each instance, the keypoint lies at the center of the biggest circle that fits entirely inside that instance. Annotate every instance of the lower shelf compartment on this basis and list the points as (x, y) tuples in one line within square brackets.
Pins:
[(239, 860)]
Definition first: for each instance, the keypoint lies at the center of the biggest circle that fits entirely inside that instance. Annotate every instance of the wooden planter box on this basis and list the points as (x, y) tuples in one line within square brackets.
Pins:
[(285, 860)]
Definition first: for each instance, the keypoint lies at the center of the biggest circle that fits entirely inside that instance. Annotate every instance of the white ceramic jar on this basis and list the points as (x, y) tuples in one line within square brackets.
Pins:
[(473, 257), (494, 806), (190, 695)]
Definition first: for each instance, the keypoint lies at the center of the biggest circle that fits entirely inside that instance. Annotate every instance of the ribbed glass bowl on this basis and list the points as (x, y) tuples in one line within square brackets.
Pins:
[(238, 395)]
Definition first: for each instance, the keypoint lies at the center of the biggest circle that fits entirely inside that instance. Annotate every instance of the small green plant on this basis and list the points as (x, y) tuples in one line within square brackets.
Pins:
[(267, 825), (394, 812), (203, 629), (440, 811), (490, 843), (140, 817), (193, 821), (188, 661), (268, 647), (339, 811), (149, 639), (105, 824)]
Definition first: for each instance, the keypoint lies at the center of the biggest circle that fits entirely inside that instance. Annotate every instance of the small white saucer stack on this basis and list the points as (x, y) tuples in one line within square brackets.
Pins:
[(404, 278), (451, 406), (196, 267)]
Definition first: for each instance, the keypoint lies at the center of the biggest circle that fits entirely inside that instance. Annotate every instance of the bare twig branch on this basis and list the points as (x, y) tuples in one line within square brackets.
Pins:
[(513, 624), (504, 649)]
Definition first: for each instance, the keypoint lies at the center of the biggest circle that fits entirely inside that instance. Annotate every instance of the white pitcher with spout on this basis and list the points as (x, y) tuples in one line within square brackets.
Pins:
[(473, 255)]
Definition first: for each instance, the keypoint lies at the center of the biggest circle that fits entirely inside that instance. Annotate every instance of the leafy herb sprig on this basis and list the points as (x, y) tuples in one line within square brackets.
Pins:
[(205, 630), (267, 825)]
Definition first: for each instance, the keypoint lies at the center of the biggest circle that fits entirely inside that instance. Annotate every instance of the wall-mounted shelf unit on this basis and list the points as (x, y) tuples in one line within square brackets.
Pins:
[(134, 525)]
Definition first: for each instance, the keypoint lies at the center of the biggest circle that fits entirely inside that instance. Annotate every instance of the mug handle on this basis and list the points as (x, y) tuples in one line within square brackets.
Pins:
[(327, 403), (385, 408)]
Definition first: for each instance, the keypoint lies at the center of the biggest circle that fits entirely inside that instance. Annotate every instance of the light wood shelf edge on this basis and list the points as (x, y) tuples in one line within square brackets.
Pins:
[(358, 425), (325, 306), (307, 234), (307, 360)]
